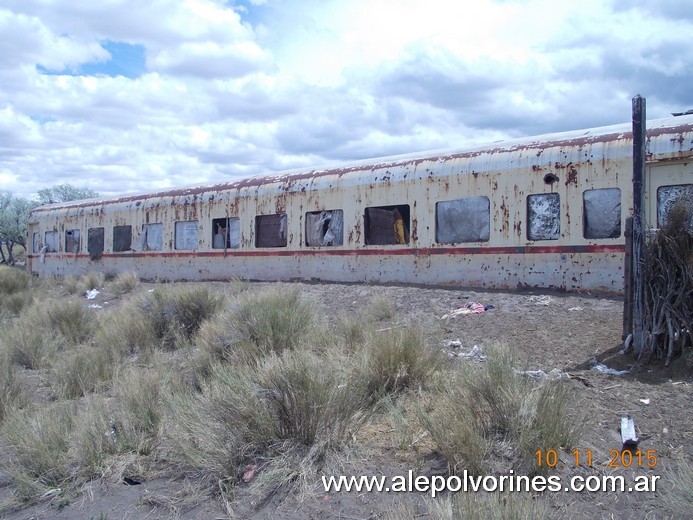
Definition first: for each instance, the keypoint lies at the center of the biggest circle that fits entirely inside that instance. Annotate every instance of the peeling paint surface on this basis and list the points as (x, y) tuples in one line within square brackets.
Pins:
[(507, 174)]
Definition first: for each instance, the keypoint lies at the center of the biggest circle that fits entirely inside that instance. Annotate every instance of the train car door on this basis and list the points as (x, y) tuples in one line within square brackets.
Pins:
[(665, 184)]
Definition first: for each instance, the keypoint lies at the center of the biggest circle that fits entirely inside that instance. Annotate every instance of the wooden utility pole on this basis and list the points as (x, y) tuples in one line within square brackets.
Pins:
[(638, 271)]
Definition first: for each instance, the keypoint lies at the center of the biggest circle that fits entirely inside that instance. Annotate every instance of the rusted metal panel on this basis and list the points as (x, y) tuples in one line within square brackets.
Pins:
[(560, 165)]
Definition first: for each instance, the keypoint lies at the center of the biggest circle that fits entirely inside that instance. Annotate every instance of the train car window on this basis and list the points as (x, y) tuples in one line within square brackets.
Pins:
[(463, 220), (668, 196), (122, 238), (186, 235), (51, 241), (270, 230), (36, 243), (226, 233), (150, 239), (387, 225), (72, 242), (543, 216), (95, 242), (601, 213), (325, 228)]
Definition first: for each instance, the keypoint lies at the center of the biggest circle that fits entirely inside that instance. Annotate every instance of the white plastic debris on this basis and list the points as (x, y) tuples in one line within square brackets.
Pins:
[(474, 353), (541, 300), (609, 371), (90, 295), (453, 343), (645, 401), (95, 306), (575, 309)]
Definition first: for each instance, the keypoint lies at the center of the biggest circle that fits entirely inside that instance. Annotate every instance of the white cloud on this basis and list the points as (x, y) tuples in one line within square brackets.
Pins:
[(286, 83)]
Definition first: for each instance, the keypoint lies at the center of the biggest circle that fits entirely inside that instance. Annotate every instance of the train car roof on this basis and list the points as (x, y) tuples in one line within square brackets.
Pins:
[(575, 138)]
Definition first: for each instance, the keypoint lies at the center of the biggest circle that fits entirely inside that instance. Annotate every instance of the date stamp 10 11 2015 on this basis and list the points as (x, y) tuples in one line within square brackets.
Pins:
[(617, 459)]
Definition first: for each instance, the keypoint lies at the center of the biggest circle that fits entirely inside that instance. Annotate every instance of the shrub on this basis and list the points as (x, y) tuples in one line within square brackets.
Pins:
[(396, 359), (176, 314), (496, 409), (29, 344), (312, 397), (71, 319), (124, 332), (125, 282), (40, 440), (380, 308), (12, 392), (93, 280), (267, 321), (81, 372), (13, 280)]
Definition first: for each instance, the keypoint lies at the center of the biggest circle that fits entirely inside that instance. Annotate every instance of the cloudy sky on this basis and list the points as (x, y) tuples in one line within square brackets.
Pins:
[(137, 95)]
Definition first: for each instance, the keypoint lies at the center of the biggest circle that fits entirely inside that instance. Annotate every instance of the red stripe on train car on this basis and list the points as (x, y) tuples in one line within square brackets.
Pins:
[(502, 250)]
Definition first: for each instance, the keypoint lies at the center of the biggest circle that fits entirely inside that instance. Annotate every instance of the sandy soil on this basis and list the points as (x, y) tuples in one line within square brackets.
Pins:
[(568, 332)]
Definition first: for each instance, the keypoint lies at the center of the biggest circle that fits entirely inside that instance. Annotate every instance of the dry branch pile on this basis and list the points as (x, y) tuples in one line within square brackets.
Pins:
[(669, 286)]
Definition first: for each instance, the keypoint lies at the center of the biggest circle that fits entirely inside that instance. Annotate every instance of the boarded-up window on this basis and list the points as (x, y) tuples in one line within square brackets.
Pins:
[(387, 225), (95, 242), (36, 243), (601, 211), (186, 235), (667, 196), (463, 220), (122, 238), (226, 233), (72, 242), (270, 230), (150, 239), (325, 228), (51, 242), (544, 216)]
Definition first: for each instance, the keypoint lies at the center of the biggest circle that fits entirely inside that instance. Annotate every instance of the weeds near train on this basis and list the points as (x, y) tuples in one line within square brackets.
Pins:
[(215, 383)]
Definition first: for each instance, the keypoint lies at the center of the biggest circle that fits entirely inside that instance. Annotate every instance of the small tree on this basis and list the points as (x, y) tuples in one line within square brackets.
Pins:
[(14, 214), (64, 193)]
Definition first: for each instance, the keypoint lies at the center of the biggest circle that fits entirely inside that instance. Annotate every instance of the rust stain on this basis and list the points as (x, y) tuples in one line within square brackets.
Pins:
[(572, 175)]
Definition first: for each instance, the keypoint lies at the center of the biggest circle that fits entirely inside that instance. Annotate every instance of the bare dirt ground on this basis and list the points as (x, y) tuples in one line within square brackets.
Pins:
[(568, 332)]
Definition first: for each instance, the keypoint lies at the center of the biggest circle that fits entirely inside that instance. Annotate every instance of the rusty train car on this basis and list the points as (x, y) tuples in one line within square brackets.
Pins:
[(546, 211)]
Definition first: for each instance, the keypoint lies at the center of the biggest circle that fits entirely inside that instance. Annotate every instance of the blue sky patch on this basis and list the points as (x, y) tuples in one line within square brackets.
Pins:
[(126, 60)]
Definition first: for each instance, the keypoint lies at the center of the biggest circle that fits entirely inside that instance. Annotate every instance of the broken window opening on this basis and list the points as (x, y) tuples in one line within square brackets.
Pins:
[(667, 196), (122, 238), (463, 220), (36, 243), (150, 239), (186, 235), (95, 242), (601, 211), (544, 216), (226, 233), (72, 242), (325, 228), (386, 225), (271, 230)]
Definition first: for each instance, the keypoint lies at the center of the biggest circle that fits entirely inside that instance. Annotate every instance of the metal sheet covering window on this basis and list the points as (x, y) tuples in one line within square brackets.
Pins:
[(386, 225), (601, 211), (325, 228), (226, 233), (463, 220), (544, 216), (122, 238), (72, 241), (95, 242), (150, 239), (186, 235), (51, 241), (270, 230), (667, 196)]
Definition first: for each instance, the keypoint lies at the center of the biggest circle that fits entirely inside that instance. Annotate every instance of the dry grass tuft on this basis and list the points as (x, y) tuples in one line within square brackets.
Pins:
[(271, 320), (496, 410)]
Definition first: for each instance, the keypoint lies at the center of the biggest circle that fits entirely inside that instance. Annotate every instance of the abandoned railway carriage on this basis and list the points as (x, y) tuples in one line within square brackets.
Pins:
[(547, 211)]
